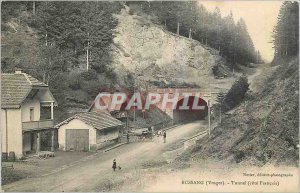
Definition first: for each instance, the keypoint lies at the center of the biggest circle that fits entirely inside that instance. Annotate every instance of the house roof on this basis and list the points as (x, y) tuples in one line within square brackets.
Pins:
[(16, 87), (99, 120)]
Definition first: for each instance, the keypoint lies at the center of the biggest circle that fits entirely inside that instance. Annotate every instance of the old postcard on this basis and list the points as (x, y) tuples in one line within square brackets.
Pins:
[(150, 96)]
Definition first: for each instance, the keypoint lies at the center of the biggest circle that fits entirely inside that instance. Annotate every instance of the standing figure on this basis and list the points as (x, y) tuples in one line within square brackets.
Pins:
[(114, 166), (127, 137), (158, 136), (165, 136)]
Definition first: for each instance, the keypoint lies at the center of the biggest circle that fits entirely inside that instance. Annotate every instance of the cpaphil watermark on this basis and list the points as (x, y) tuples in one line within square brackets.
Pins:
[(145, 101)]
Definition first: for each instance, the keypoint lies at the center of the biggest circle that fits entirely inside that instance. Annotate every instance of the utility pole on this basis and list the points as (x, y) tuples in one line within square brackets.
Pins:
[(209, 127), (46, 39), (190, 33), (87, 57), (127, 128), (33, 7), (221, 97), (219, 41), (134, 94), (87, 52)]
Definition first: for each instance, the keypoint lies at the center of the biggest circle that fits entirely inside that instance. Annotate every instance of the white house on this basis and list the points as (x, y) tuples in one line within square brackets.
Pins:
[(88, 131), (23, 100)]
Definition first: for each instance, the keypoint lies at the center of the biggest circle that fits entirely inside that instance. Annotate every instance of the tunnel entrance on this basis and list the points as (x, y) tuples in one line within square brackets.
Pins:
[(190, 114)]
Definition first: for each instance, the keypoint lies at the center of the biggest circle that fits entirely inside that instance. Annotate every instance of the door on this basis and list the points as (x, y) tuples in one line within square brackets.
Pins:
[(33, 136), (77, 139)]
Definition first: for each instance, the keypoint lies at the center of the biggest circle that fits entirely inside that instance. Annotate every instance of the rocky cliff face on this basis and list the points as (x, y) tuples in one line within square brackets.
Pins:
[(158, 57)]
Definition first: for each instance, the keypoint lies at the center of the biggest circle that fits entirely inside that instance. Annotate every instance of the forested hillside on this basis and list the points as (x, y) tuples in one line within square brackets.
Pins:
[(286, 32), (79, 48)]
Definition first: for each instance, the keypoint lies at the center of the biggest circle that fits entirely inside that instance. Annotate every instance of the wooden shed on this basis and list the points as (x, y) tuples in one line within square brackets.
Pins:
[(89, 131)]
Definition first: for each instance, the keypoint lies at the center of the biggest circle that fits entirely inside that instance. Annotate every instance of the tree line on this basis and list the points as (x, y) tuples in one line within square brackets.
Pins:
[(66, 31), (286, 32), (76, 29), (193, 20)]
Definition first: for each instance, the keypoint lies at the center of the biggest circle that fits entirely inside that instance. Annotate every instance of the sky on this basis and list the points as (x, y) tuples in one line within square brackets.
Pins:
[(260, 17)]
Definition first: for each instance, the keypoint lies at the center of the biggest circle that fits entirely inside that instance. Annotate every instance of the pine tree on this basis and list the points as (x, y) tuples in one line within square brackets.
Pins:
[(217, 24), (244, 45), (229, 38), (78, 28), (286, 32)]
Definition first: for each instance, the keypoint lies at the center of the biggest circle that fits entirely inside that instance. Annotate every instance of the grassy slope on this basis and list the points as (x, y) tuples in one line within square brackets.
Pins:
[(264, 128)]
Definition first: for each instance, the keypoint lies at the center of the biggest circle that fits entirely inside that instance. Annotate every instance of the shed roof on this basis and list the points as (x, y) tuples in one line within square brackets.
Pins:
[(16, 87), (99, 120)]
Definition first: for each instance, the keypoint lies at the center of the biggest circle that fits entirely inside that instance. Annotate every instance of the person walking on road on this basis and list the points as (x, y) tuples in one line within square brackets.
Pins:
[(114, 166), (165, 136), (159, 134), (127, 137)]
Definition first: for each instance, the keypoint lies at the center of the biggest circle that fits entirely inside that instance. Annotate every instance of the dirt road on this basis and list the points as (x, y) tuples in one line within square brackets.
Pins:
[(96, 174)]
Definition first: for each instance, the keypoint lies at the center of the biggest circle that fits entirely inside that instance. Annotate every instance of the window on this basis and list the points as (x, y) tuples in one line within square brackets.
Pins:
[(31, 113)]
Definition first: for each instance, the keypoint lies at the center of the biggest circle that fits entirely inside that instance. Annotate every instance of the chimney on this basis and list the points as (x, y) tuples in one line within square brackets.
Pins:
[(18, 71)]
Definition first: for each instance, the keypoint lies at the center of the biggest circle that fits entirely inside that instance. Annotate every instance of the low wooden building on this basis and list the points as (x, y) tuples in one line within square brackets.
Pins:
[(89, 131)]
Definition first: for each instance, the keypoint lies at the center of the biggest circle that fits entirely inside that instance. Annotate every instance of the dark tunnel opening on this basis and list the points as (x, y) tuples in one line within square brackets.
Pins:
[(190, 114)]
